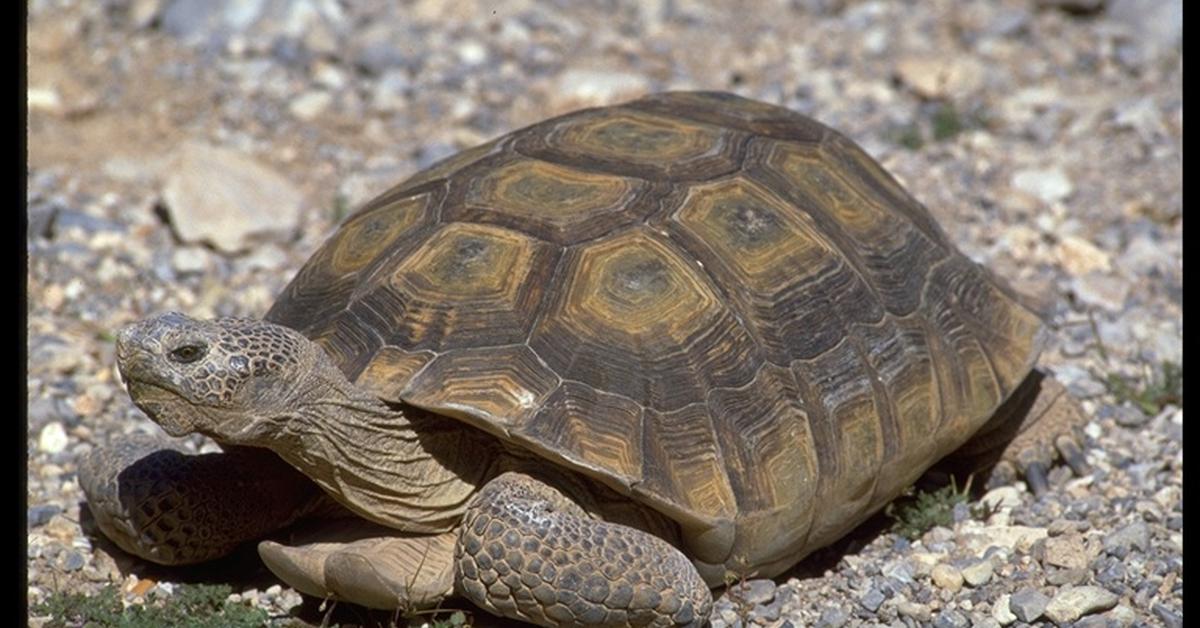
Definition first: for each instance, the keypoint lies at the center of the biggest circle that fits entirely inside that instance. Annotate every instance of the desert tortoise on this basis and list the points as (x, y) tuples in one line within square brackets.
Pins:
[(583, 372)]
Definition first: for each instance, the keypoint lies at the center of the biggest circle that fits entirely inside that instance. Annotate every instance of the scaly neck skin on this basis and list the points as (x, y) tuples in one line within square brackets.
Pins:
[(402, 467)]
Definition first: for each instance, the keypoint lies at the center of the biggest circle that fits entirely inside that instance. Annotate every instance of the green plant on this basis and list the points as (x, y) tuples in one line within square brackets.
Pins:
[(191, 606), (917, 512), (1154, 391)]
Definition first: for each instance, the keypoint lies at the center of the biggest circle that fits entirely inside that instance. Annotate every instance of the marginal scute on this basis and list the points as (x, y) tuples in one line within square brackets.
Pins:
[(592, 429), (497, 388)]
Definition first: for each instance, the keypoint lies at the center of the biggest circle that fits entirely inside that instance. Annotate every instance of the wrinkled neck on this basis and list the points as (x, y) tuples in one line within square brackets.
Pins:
[(394, 464)]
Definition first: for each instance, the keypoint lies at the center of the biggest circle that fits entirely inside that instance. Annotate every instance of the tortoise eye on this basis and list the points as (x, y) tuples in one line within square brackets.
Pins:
[(188, 353)]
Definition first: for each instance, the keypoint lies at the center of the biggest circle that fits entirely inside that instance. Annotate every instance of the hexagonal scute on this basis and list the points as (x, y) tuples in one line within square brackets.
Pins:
[(551, 201), (796, 287), (637, 144), (382, 229), (631, 315), (467, 285)]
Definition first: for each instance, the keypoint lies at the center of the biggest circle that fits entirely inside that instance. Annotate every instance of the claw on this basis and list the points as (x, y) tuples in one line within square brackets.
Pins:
[(1035, 477), (1068, 448)]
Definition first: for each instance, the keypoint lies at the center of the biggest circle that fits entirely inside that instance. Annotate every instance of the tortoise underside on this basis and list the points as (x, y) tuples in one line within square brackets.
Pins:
[(717, 306)]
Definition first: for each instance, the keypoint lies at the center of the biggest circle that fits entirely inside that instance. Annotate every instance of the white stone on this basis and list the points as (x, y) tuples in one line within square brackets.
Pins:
[(53, 438), (1049, 186), (311, 104)]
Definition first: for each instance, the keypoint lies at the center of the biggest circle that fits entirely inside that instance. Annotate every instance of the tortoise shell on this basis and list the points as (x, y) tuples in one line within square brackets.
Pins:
[(716, 306)]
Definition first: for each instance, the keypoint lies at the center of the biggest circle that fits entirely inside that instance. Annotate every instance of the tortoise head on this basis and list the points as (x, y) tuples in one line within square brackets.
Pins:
[(224, 378)]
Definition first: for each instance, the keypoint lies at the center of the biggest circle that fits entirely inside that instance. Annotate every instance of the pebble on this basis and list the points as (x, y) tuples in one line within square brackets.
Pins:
[(1079, 257), (1072, 603), (978, 573), (833, 617), (190, 260), (941, 76), (217, 195), (1066, 551), (53, 438), (872, 599), (600, 86), (1002, 498), (71, 560), (947, 577), (951, 619), (752, 592), (1028, 604), (1001, 611), (1049, 186), (1169, 617), (1095, 288), (309, 105), (1134, 535), (39, 514)]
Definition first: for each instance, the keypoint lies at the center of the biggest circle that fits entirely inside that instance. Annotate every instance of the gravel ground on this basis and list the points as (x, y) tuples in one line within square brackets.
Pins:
[(1046, 136)]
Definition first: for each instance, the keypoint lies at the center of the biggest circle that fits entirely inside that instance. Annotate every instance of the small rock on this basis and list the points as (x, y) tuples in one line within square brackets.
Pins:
[(40, 514), (1071, 604), (309, 105), (765, 612), (941, 76), (951, 619), (1028, 604), (1136, 534), (1001, 612), (189, 260), (1019, 538), (1079, 257), (899, 570), (1064, 577), (977, 573), (917, 612), (1169, 617), (1157, 23), (61, 528), (71, 560), (947, 577), (1096, 288), (833, 617), (872, 599), (752, 592), (601, 86), (1049, 186), (1003, 497), (1066, 551), (218, 195), (53, 438)]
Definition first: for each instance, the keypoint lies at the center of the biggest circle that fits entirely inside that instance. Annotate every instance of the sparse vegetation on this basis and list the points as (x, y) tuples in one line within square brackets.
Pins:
[(1157, 389), (191, 606), (940, 122), (918, 512)]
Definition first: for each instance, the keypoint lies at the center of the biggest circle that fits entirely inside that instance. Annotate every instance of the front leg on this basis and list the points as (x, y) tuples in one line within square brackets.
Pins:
[(157, 501), (529, 552)]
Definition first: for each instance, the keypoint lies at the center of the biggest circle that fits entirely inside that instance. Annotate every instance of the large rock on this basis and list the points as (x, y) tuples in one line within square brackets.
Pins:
[(221, 197)]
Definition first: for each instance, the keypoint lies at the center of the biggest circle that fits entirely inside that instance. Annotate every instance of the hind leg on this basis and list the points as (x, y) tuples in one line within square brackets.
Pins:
[(1039, 424)]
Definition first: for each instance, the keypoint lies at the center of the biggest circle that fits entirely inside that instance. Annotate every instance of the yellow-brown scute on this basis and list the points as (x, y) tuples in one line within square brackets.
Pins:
[(718, 307)]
